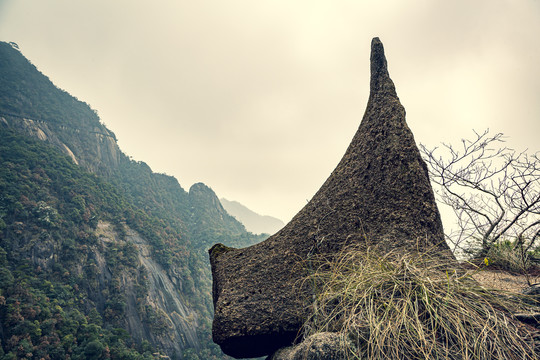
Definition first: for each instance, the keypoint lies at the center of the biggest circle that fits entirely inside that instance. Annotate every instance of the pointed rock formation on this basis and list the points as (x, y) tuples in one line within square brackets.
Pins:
[(378, 195)]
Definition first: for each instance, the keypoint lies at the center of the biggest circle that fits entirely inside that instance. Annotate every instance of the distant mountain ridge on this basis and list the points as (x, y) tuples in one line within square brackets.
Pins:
[(255, 223)]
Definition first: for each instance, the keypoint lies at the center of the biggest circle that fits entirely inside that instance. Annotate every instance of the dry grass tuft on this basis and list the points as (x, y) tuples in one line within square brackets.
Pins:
[(408, 307)]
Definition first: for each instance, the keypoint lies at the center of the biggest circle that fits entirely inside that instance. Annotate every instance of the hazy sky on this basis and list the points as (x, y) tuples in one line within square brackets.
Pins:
[(260, 99)]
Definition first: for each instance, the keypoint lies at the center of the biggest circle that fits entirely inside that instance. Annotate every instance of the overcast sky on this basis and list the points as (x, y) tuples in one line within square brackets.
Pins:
[(260, 99)]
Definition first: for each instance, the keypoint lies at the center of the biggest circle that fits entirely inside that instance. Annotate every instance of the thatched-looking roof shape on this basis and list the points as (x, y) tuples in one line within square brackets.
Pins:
[(378, 195)]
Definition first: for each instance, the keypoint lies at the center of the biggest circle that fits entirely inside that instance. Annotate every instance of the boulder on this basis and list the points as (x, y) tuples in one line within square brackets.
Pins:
[(379, 195), (320, 346)]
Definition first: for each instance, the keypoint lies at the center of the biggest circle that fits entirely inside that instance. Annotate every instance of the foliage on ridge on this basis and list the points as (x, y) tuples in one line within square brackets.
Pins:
[(46, 200)]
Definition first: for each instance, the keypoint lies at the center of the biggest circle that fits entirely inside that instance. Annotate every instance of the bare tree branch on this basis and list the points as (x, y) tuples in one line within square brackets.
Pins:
[(493, 190)]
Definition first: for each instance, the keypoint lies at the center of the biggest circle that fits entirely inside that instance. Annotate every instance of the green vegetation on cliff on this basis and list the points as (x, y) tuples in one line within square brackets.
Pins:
[(27, 93), (49, 209), (68, 290)]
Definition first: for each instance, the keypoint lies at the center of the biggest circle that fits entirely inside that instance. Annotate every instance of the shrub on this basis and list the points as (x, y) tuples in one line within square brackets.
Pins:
[(506, 256)]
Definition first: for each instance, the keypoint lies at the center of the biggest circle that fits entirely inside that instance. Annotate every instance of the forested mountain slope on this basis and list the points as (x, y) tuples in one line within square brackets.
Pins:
[(99, 256)]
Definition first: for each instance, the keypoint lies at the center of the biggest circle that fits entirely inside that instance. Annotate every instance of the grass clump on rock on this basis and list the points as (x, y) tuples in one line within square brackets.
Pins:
[(397, 306)]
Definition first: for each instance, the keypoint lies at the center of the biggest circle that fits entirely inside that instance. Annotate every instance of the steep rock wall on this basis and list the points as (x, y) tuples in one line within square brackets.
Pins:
[(158, 313), (162, 316), (94, 149)]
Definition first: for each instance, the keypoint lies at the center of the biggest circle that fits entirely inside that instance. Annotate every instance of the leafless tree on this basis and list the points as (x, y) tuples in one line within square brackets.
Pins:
[(493, 190)]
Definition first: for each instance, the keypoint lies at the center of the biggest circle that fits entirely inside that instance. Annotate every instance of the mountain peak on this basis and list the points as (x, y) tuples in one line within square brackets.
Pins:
[(255, 223), (380, 83), (378, 196)]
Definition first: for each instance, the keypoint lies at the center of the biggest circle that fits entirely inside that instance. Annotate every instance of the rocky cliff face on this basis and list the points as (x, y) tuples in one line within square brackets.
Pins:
[(162, 316), (106, 154), (378, 196), (30, 103), (134, 240)]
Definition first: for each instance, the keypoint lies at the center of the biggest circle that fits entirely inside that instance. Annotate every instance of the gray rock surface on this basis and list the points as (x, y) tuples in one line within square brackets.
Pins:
[(175, 325), (321, 346), (378, 195)]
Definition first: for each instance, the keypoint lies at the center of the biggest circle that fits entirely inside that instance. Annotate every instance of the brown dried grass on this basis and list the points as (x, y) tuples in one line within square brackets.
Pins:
[(397, 306)]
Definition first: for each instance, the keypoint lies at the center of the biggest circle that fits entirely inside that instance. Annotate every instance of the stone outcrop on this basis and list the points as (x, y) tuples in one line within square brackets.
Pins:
[(320, 346), (96, 149), (379, 195)]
